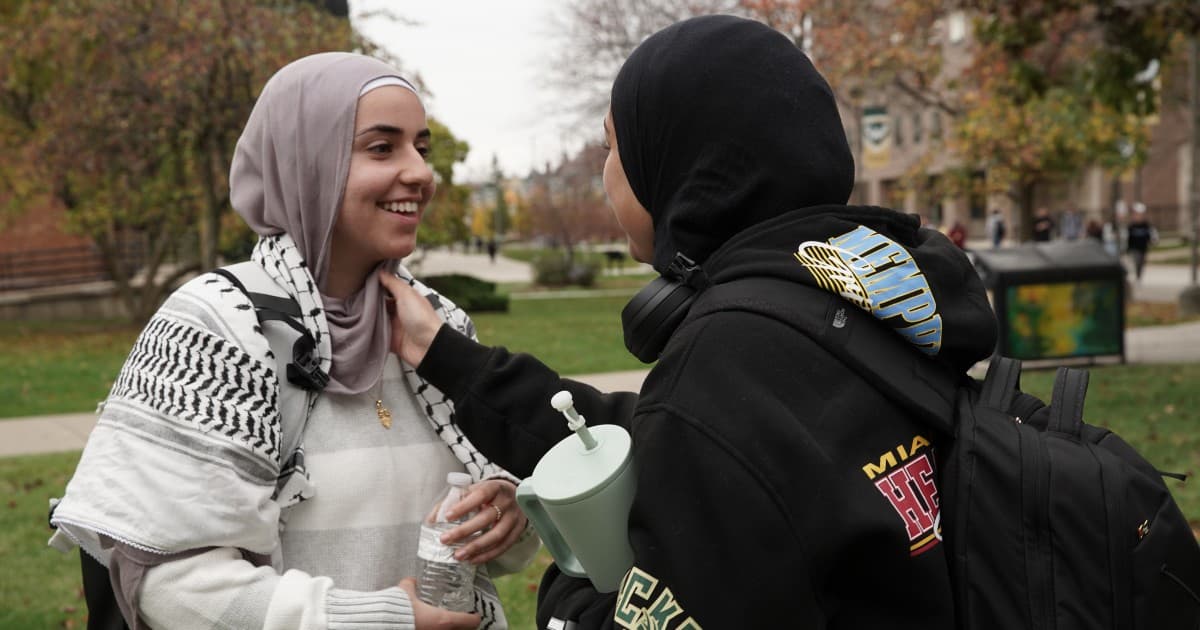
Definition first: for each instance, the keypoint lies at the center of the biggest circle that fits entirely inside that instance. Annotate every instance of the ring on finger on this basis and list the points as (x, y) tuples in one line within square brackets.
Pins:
[(499, 514)]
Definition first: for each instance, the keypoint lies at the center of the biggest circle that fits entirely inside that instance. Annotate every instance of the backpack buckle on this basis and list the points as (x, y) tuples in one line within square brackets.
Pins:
[(305, 369)]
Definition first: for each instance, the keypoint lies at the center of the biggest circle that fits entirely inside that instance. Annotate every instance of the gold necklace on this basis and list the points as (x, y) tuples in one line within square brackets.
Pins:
[(385, 416)]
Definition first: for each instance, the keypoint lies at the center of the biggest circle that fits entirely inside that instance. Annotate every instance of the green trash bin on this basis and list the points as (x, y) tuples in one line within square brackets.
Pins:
[(1057, 300)]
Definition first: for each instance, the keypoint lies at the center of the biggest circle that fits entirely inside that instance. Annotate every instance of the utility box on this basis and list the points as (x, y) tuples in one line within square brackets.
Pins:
[(1056, 300)]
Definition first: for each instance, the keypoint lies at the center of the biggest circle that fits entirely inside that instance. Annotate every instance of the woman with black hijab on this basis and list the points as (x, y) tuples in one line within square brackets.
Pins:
[(776, 485)]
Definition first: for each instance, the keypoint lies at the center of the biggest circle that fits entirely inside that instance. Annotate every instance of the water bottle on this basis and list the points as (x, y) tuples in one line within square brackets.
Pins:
[(443, 580)]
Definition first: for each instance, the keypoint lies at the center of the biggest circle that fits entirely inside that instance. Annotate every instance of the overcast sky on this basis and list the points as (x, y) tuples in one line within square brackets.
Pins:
[(483, 61)]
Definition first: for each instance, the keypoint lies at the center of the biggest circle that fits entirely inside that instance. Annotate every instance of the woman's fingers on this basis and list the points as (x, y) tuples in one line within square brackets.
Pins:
[(506, 535), (479, 495), (493, 541), (495, 526), (415, 322)]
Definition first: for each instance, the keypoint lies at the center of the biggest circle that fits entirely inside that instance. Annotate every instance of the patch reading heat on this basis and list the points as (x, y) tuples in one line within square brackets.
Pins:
[(905, 476)]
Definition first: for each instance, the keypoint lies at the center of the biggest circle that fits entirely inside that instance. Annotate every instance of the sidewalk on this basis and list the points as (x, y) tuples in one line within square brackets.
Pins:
[(502, 269), (441, 261)]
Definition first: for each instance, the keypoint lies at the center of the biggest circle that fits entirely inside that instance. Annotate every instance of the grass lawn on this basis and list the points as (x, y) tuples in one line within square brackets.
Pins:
[(70, 367), (1176, 257), (573, 336), (66, 367), (1155, 314), (39, 587)]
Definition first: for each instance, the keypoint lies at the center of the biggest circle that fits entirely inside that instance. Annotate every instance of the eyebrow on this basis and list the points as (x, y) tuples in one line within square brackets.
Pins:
[(392, 129)]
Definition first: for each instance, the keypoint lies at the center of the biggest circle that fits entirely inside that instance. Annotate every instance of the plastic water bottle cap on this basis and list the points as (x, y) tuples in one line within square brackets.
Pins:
[(458, 479), (562, 401)]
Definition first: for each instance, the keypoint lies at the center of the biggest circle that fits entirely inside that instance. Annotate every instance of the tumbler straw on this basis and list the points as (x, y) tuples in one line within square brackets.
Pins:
[(563, 402)]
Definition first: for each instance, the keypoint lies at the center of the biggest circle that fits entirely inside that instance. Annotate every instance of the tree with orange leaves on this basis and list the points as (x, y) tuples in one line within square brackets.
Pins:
[(1048, 87), (126, 112)]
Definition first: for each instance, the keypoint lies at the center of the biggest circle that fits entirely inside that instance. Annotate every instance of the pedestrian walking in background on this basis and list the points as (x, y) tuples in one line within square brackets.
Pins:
[(958, 234), (1139, 236), (1043, 226), (995, 228), (1071, 224)]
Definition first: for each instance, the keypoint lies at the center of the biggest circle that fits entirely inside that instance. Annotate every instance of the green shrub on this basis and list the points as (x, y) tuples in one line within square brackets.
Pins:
[(468, 292), (551, 269), (583, 273)]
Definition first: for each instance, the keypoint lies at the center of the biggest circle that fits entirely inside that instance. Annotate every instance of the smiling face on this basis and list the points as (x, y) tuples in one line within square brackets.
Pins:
[(633, 218), (387, 188)]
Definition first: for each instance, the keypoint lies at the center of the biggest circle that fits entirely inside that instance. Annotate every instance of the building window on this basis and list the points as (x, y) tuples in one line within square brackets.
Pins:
[(898, 131), (935, 125), (917, 127)]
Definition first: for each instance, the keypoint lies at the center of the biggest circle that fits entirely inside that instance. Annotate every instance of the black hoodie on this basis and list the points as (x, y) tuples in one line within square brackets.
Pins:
[(776, 486)]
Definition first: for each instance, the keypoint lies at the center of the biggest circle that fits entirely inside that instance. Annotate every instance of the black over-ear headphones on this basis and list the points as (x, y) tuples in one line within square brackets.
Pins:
[(658, 309)]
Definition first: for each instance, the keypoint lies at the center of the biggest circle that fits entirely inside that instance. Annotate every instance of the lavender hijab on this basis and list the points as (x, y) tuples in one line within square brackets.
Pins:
[(289, 175)]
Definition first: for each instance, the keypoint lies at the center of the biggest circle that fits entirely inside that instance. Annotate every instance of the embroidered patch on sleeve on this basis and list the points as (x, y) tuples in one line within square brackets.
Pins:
[(647, 604), (906, 477)]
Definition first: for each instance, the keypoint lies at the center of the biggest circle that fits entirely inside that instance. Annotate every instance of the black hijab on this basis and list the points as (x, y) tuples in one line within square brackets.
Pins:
[(723, 123)]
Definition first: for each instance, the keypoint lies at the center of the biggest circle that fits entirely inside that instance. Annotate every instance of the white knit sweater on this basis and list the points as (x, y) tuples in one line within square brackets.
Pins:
[(359, 532)]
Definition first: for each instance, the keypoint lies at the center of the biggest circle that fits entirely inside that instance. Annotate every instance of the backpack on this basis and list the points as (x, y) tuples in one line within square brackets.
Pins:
[(294, 349), (1049, 522)]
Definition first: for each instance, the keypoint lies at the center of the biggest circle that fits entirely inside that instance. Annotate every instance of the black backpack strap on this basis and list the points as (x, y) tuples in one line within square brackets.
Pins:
[(304, 370), (1001, 384), (269, 307), (1066, 403), (895, 368), (104, 613)]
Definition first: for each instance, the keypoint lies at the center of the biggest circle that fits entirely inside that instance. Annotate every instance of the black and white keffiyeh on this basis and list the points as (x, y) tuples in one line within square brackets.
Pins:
[(185, 454), (280, 257)]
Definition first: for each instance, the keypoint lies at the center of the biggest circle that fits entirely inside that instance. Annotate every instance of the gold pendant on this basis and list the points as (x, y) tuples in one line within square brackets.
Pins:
[(385, 416)]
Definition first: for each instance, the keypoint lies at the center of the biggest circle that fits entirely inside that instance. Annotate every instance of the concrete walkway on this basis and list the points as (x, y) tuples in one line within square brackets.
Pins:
[(502, 269)]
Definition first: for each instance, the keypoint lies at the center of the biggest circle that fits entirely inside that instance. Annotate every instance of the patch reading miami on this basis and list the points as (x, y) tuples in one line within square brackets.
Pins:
[(645, 604), (880, 277), (905, 477)]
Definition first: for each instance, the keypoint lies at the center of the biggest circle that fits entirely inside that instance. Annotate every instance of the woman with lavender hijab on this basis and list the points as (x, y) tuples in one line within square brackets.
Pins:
[(178, 490)]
